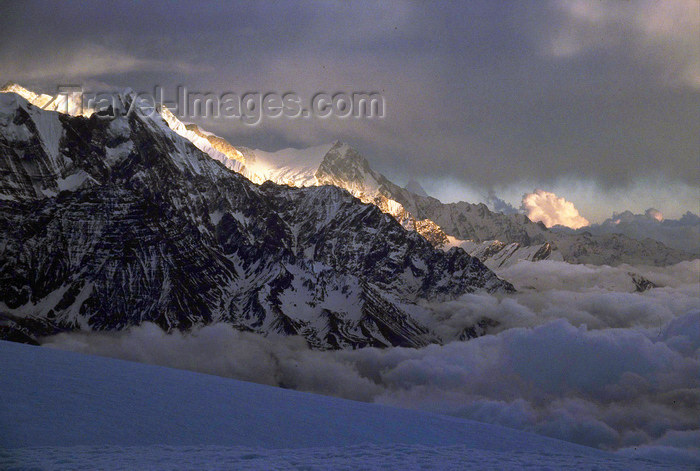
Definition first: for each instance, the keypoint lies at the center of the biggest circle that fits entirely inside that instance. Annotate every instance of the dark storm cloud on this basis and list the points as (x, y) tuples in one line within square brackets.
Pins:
[(481, 92)]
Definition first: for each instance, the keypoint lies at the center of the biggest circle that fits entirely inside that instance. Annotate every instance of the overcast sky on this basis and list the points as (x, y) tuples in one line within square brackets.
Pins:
[(598, 102)]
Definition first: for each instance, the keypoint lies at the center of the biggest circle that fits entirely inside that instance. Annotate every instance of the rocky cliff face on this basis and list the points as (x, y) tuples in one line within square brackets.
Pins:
[(111, 220), (496, 239), (339, 165)]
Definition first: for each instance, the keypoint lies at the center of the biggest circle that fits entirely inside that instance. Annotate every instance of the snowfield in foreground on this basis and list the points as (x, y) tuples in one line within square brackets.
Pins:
[(63, 410)]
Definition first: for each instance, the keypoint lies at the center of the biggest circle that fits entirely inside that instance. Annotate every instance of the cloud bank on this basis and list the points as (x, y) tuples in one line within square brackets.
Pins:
[(682, 234), (582, 358), (551, 210)]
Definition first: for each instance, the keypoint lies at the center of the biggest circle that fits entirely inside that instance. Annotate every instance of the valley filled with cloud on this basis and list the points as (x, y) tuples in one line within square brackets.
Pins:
[(576, 354)]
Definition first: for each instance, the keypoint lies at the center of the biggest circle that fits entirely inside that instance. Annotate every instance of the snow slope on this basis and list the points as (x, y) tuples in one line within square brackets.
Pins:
[(64, 410), (296, 167)]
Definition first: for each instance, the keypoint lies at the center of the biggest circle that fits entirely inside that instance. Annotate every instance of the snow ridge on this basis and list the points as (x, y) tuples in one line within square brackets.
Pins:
[(138, 224), (83, 418), (470, 226)]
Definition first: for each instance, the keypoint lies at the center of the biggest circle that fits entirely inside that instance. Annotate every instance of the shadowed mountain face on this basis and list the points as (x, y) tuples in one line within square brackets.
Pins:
[(497, 239), (110, 221)]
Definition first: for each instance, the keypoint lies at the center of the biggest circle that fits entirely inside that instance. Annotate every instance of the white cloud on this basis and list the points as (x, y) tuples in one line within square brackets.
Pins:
[(551, 210), (598, 202), (580, 357), (599, 297), (653, 213)]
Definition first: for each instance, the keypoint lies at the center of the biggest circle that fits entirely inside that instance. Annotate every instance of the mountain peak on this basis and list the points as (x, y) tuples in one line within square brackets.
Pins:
[(11, 86), (66, 103), (414, 187), (216, 246), (36, 99)]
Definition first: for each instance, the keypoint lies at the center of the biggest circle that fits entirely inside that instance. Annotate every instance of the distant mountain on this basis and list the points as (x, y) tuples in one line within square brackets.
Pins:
[(339, 165), (680, 234), (496, 254), (415, 188), (114, 219), (497, 239), (606, 249)]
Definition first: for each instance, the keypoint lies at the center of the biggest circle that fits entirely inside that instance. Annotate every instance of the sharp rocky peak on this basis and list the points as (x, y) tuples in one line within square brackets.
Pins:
[(444, 225), (414, 187), (108, 222)]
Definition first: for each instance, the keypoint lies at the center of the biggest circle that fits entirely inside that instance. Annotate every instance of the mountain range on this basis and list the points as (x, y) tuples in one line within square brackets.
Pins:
[(497, 239), (113, 219)]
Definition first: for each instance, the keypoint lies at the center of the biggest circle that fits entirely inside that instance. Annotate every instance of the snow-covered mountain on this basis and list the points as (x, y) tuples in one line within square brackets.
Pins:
[(496, 254), (114, 219), (681, 234), (497, 239), (339, 165), (68, 411), (414, 187), (583, 247), (68, 103)]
